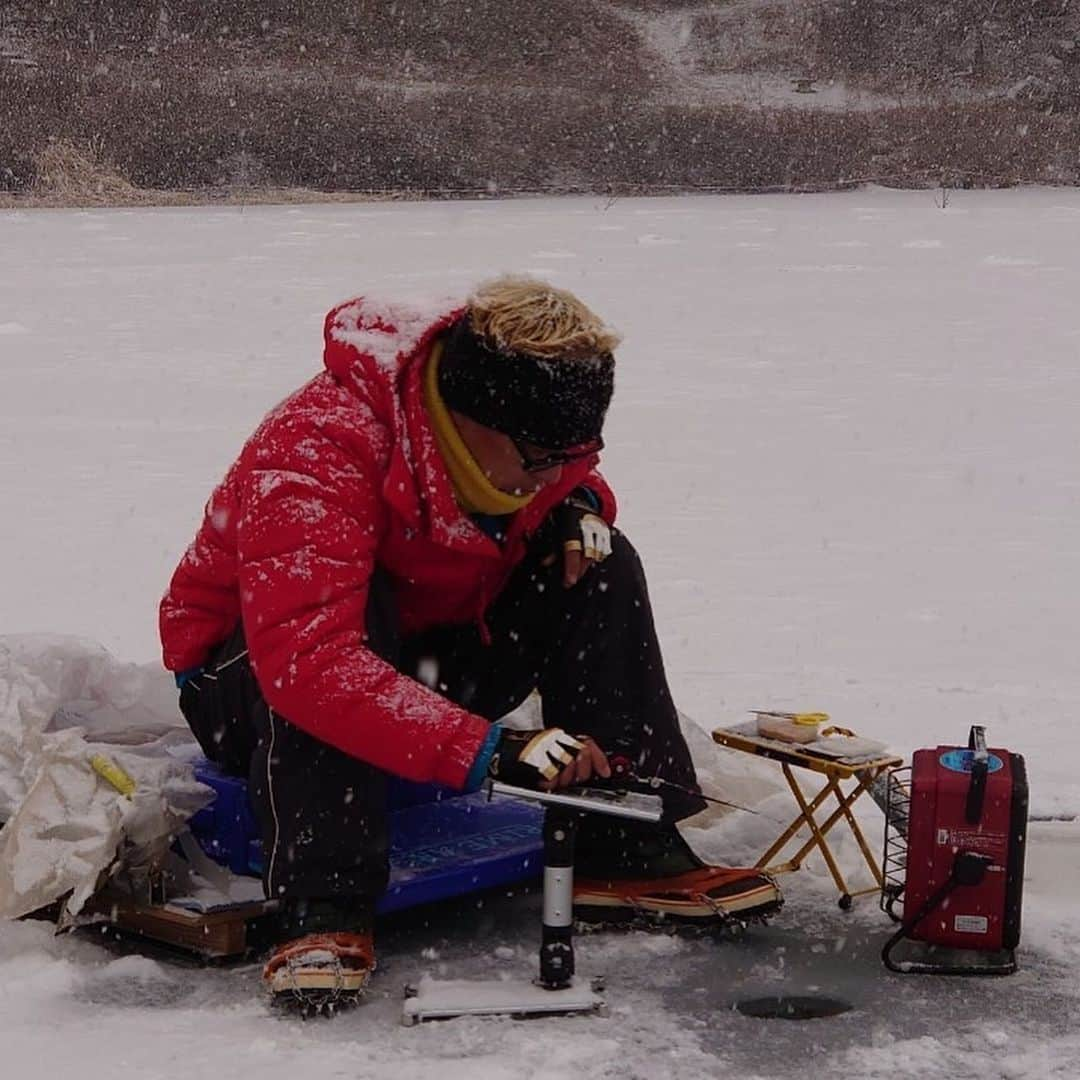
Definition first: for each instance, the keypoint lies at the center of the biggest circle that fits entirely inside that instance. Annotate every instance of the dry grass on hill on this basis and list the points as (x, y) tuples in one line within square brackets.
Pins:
[(248, 100)]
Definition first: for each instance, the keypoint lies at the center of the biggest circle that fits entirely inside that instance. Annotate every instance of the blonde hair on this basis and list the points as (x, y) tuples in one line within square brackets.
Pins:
[(525, 315)]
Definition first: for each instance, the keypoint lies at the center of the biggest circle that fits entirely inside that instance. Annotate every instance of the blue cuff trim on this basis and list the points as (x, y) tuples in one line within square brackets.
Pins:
[(183, 676), (587, 494), (478, 772)]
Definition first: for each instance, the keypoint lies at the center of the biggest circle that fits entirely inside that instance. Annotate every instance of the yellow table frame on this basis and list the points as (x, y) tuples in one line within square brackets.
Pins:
[(792, 756)]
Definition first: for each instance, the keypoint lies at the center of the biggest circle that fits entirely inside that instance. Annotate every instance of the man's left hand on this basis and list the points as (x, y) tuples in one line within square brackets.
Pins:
[(584, 536)]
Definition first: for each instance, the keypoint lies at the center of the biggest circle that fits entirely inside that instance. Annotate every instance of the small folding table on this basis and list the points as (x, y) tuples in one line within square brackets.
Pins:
[(791, 756)]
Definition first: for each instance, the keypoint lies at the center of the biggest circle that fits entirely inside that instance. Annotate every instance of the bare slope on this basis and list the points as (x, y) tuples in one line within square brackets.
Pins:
[(439, 96)]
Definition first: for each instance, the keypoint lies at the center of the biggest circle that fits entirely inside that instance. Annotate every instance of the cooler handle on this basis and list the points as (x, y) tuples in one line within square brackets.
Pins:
[(977, 742), (980, 768)]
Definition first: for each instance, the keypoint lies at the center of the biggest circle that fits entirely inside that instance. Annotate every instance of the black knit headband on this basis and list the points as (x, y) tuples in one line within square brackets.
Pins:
[(552, 403)]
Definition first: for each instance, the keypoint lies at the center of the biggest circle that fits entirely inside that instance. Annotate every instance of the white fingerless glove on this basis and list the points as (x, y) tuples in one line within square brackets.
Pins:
[(528, 758), (581, 528)]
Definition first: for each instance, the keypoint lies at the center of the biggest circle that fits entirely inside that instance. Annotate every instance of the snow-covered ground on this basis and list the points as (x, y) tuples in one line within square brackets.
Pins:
[(845, 440)]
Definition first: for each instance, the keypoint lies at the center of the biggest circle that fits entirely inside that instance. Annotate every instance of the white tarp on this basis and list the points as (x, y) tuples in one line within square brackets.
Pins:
[(64, 700)]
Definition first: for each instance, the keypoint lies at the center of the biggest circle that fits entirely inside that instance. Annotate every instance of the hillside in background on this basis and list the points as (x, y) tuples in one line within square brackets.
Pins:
[(435, 97)]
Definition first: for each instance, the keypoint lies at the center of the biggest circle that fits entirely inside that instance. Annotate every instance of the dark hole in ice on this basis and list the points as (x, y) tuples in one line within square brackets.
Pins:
[(793, 1007)]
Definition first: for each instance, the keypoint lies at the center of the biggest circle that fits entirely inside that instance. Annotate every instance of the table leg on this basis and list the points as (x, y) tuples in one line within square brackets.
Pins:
[(864, 782), (817, 833), (783, 839), (845, 802)]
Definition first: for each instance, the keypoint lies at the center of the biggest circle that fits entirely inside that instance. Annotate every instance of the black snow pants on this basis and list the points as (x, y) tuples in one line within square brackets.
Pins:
[(590, 650)]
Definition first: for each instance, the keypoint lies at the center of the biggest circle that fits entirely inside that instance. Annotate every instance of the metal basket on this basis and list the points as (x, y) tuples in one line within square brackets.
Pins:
[(894, 861)]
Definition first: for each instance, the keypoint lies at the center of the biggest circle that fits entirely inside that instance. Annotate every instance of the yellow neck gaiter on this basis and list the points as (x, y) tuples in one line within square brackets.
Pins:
[(474, 492)]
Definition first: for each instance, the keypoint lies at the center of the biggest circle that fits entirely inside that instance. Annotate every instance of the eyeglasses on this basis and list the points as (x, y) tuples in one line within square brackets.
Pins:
[(533, 462)]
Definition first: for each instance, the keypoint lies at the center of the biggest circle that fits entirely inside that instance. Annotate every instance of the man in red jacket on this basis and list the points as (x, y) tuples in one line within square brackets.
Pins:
[(406, 548)]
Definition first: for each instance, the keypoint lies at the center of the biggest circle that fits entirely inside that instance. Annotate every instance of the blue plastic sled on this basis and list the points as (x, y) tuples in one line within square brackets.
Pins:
[(442, 844)]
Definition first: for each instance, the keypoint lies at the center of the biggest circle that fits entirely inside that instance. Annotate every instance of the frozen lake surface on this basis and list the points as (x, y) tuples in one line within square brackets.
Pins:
[(845, 441)]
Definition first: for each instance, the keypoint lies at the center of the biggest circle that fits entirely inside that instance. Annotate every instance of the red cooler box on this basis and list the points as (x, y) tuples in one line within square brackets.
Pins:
[(966, 831)]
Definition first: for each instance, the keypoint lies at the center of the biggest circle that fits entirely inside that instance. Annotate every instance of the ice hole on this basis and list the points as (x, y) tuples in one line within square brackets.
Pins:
[(792, 1007)]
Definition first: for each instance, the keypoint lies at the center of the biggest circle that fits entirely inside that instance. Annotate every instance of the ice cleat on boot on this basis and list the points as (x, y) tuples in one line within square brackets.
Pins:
[(707, 896), (320, 973)]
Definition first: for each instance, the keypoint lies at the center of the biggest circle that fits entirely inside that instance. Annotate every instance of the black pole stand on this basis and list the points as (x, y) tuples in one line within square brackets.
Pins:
[(557, 934), (556, 990)]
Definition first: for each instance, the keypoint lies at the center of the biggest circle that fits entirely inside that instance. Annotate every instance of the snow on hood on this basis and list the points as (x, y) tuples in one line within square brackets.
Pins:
[(384, 333)]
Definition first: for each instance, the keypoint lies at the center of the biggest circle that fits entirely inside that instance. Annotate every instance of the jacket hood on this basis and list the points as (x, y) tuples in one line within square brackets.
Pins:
[(376, 339)]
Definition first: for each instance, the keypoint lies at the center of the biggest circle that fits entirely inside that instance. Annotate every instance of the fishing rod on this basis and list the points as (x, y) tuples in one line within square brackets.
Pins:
[(622, 769)]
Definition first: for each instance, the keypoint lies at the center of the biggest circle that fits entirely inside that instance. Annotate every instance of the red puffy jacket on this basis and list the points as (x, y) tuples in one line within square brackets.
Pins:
[(341, 477)]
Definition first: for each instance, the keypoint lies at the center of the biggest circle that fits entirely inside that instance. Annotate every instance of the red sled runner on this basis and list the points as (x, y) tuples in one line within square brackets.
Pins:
[(956, 827)]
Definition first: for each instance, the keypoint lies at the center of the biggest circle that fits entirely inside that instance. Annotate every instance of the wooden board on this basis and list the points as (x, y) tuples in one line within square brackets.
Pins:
[(215, 934)]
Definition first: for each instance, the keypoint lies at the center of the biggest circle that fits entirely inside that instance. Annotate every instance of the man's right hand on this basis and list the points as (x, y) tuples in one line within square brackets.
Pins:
[(546, 759), (591, 761)]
